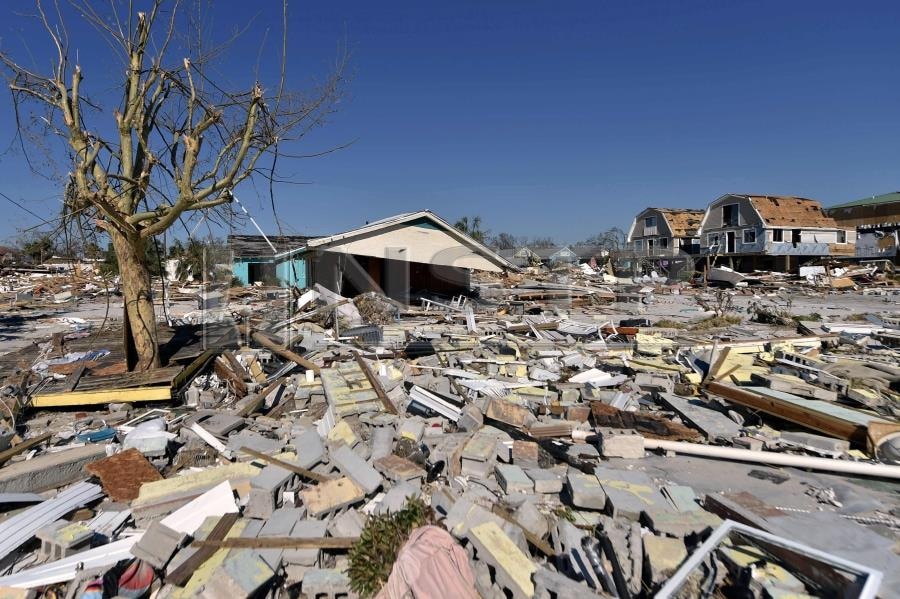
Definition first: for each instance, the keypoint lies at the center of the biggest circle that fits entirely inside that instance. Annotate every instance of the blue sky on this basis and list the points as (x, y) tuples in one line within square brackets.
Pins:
[(551, 119)]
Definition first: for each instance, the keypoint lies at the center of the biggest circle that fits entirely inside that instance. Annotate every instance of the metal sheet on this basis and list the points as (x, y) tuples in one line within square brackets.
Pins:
[(22, 527)]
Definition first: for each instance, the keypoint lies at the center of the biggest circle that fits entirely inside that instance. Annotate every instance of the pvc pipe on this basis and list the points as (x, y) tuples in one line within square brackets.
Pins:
[(779, 459)]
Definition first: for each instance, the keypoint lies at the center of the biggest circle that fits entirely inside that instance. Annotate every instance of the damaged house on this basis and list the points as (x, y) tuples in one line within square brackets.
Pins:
[(749, 232), (877, 223), (404, 256), (667, 238)]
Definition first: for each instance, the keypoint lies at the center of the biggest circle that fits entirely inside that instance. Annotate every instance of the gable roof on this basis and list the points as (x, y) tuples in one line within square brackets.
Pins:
[(421, 218), (885, 198), (791, 211), (683, 222), (787, 211)]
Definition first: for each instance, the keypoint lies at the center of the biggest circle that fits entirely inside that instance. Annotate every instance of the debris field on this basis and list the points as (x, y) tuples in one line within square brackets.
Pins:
[(555, 435)]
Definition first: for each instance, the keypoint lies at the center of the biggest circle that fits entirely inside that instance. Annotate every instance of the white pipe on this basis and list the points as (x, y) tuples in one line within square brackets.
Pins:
[(779, 459)]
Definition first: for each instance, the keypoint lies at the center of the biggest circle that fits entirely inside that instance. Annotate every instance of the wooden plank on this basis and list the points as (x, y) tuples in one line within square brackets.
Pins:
[(802, 412), (101, 396), (286, 465), (376, 384), (180, 575), (279, 543), (236, 367), (257, 400), (23, 446), (220, 365), (72, 380), (283, 352)]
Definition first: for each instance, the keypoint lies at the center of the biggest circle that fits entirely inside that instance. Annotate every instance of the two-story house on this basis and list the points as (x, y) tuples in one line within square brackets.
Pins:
[(666, 238), (771, 232)]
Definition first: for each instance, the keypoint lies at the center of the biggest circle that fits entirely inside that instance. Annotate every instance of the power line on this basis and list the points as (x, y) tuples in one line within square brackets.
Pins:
[(40, 218)]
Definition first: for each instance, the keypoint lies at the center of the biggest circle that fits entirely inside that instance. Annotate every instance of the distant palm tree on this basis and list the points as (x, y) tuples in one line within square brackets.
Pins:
[(472, 228)]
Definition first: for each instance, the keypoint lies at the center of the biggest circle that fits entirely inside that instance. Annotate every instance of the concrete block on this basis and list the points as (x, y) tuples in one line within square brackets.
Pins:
[(382, 442), (356, 469), (525, 454), (412, 429), (398, 469), (157, 545), (254, 441), (680, 524), (816, 443), (585, 490), (513, 568), (630, 492), (243, 573), (549, 585), (748, 443), (342, 433), (394, 500), (583, 450), (50, 470), (279, 524), (331, 495), (310, 449), (260, 504), (513, 479), (471, 419), (326, 584), (545, 481), (271, 478), (620, 443), (532, 520), (662, 556), (347, 524), (62, 538), (306, 529)]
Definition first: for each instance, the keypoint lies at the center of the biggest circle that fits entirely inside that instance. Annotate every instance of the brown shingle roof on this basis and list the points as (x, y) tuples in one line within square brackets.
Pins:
[(790, 211), (684, 222)]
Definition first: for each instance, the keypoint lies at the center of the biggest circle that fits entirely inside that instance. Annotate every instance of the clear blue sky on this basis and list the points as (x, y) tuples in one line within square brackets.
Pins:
[(558, 119)]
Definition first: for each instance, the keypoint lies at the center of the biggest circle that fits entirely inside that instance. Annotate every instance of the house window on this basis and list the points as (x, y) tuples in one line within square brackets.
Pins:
[(749, 236), (638, 244), (650, 222), (712, 239), (777, 235), (842, 236), (664, 242), (730, 215)]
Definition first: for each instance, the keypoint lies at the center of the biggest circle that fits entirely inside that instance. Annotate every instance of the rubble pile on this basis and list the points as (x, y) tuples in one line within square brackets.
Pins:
[(531, 442)]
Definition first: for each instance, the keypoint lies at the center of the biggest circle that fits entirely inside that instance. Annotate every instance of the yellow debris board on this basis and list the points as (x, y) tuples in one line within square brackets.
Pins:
[(331, 495), (489, 538), (101, 396), (202, 574), (343, 432)]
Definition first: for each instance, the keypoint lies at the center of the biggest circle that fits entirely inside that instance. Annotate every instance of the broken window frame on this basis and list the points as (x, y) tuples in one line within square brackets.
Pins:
[(868, 579), (752, 233), (735, 210), (777, 235)]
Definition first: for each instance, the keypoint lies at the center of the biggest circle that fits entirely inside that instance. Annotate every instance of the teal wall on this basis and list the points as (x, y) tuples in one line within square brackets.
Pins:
[(286, 272), (240, 269)]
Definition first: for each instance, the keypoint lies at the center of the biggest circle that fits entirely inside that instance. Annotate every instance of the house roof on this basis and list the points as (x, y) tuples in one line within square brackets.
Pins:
[(411, 218), (683, 222), (790, 211), (253, 246), (885, 198)]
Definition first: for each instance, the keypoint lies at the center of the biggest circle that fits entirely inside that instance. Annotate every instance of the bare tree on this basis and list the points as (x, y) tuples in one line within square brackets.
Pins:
[(180, 141), (612, 239)]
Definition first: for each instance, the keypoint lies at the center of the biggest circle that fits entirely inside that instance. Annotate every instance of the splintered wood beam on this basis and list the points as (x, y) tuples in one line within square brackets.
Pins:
[(283, 352), (376, 384), (319, 478), (279, 543)]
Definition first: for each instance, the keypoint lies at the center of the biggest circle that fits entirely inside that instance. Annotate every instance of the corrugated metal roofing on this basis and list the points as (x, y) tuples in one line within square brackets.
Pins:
[(885, 198)]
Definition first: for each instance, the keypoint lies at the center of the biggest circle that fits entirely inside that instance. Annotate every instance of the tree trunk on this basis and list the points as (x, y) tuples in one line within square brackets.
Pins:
[(141, 340)]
